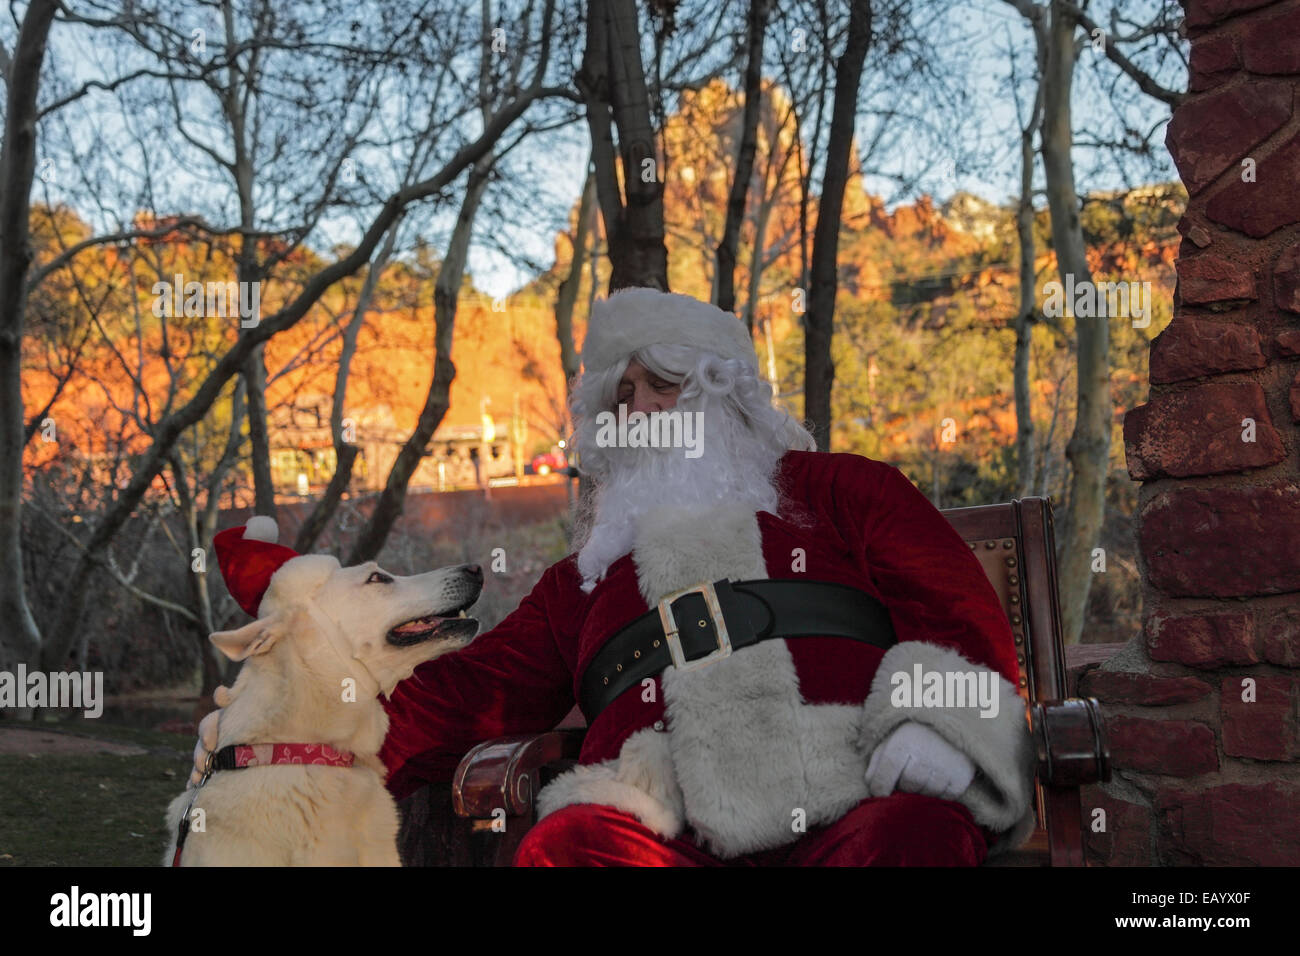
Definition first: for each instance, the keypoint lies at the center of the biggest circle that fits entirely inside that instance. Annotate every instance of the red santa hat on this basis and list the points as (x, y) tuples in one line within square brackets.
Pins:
[(631, 319), (248, 556)]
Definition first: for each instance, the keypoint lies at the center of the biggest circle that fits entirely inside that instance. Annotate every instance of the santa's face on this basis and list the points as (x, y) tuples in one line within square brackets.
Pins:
[(641, 390), (729, 464)]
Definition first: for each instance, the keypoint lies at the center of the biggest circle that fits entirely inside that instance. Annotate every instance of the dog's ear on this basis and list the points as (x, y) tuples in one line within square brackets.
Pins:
[(256, 638)]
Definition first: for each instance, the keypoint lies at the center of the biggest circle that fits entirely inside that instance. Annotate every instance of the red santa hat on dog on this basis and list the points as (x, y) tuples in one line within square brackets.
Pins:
[(248, 556)]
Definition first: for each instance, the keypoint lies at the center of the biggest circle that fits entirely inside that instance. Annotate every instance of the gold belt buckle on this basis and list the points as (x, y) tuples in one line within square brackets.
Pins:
[(671, 631)]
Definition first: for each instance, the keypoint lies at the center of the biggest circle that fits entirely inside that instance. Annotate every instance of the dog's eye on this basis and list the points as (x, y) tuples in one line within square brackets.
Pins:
[(379, 577)]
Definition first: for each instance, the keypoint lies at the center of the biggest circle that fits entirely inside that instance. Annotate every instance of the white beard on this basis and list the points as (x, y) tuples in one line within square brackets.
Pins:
[(736, 467)]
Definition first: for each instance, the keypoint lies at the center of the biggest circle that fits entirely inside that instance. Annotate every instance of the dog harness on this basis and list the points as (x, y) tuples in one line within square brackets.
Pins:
[(243, 756)]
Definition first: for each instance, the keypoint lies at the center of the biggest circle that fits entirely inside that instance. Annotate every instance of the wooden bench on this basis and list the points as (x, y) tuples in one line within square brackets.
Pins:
[(1015, 545)]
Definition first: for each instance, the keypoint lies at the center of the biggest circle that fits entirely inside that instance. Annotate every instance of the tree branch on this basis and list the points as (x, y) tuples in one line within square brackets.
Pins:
[(1143, 79)]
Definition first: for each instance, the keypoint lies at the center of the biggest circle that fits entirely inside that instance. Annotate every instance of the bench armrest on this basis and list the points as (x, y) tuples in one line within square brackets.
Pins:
[(1070, 738), (505, 772)]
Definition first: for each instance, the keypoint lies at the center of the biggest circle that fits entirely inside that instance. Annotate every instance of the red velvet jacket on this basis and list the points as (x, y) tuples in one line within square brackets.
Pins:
[(859, 522)]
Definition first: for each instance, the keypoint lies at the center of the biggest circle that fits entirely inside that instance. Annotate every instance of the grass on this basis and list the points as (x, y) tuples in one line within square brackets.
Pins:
[(90, 809)]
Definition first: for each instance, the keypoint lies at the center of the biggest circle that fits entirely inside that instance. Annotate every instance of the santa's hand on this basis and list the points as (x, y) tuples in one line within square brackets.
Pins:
[(916, 759), (207, 736)]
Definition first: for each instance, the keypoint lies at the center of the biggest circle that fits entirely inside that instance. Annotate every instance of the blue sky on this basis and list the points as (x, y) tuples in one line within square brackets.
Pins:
[(968, 142)]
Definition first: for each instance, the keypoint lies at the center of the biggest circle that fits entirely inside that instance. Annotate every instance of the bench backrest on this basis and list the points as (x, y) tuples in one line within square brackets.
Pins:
[(1016, 545)]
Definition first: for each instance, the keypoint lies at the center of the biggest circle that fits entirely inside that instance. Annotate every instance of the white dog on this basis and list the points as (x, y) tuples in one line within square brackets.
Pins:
[(327, 642)]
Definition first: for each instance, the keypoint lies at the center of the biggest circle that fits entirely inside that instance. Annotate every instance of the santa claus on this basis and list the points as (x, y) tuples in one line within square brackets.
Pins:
[(778, 651)]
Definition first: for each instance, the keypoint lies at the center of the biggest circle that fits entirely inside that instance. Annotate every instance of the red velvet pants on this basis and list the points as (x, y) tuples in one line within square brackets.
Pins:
[(903, 829)]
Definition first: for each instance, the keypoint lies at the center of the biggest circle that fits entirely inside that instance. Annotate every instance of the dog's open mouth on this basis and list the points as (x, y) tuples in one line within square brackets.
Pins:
[(417, 630)]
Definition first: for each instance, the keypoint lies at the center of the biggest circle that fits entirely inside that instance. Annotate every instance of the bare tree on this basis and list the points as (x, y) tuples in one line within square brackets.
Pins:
[(17, 169), (289, 96), (819, 371), (727, 247), (1055, 25), (567, 294), (1027, 313), (171, 427), (774, 190), (612, 82)]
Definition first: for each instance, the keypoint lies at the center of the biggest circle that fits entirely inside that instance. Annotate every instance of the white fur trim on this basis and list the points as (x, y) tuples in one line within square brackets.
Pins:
[(753, 760), (1002, 794), (639, 781), (676, 548), (631, 319), (751, 757), (262, 528)]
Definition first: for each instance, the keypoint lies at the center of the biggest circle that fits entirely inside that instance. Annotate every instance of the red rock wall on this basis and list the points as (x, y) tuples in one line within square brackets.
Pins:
[(1206, 773)]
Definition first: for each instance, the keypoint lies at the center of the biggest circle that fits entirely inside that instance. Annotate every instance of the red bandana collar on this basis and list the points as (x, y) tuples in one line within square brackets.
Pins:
[(238, 756), (242, 756)]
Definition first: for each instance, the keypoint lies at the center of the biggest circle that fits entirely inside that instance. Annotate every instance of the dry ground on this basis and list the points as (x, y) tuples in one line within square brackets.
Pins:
[(73, 796)]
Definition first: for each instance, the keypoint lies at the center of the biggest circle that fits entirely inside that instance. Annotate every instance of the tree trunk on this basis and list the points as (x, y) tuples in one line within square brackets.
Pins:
[(819, 371), (200, 598), (241, 80), (762, 216), (254, 370), (446, 295), (345, 454), (1088, 450), (1026, 316), (612, 84), (215, 664), (20, 640), (727, 248), (567, 297), (259, 437)]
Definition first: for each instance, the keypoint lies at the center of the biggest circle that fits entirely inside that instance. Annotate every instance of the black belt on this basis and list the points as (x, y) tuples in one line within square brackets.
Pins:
[(750, 612)]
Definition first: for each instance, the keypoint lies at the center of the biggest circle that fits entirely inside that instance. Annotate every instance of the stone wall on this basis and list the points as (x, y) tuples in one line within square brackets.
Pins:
[(1202, 706)]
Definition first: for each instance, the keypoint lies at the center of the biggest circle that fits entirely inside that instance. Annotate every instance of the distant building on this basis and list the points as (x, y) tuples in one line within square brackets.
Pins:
[(303, 459)]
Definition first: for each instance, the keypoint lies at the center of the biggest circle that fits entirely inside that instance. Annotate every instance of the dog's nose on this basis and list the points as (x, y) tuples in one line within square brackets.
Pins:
[(474, 570)]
